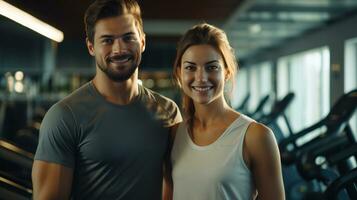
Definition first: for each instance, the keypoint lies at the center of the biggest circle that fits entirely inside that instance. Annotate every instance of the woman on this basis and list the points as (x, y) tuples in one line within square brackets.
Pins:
[(218, 153)]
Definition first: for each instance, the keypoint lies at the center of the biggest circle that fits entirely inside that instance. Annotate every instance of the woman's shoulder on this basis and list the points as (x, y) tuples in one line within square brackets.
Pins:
[(258, 132), (259, 139)]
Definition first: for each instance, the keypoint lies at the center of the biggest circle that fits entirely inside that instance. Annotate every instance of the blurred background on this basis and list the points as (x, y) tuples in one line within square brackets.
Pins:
[(297, 74)]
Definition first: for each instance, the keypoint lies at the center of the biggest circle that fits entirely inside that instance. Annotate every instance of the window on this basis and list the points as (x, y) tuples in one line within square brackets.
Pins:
[(241, 87), (255, 80), (351, 74), (260, 83), (254, 89), (307, 75)]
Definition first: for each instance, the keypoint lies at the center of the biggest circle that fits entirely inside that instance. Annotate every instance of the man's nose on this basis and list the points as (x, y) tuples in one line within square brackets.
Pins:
[(117, 46)]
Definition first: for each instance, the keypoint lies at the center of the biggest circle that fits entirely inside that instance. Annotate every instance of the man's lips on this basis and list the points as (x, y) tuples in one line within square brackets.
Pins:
[(120, 58)]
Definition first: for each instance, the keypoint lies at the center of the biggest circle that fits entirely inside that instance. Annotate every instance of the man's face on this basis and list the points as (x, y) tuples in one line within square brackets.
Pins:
[(117, 47)]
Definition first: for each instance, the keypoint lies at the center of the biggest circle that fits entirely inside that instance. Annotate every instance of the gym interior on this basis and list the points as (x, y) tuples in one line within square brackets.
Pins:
[(297, 74)]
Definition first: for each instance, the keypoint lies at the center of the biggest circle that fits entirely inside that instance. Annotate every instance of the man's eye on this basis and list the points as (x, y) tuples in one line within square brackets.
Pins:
[(129, 38), (107, 41)]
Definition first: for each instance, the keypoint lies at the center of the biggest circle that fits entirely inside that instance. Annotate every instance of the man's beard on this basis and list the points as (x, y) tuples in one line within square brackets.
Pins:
[(118, 76)]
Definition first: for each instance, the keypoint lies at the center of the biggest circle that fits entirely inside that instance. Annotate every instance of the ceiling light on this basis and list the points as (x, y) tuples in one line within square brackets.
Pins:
[(19, 75), (19, 87), (255, 28), (30, 21)]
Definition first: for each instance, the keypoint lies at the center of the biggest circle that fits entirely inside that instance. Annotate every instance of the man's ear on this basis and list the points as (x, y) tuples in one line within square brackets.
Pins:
[(143, 42), (90, 47)]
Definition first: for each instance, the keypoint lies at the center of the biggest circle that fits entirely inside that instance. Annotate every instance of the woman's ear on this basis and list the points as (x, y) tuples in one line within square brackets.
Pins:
[(178, 79), (227, 75)]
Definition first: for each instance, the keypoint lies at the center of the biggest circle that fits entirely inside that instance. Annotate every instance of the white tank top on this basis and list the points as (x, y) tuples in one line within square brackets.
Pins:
[(213, 172)]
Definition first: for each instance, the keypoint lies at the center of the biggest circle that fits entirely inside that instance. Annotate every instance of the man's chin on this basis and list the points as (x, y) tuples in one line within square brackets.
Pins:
[(119, 73), (120, 77)]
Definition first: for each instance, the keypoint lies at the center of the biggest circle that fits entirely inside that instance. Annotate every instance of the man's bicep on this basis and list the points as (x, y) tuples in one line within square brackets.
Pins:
[(57, 141), (51, 180)]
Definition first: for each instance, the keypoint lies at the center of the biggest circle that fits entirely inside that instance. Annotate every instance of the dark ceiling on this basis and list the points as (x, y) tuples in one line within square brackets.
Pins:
[(252, 26), (67, 15)]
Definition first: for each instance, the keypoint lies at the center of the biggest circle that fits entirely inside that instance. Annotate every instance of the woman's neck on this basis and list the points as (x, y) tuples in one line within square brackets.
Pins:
[(211, 113)]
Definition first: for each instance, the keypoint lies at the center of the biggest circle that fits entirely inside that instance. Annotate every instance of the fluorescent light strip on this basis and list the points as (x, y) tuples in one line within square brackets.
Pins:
[(30, 21)]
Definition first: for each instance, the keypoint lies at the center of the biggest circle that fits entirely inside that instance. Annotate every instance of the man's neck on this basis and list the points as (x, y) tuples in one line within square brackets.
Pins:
[(121, 93)]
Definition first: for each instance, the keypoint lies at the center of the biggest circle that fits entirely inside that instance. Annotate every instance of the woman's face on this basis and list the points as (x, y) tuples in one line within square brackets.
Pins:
[(202, 74)]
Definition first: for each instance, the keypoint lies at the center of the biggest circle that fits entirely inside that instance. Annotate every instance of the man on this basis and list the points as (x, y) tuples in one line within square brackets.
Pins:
[(109, 138)]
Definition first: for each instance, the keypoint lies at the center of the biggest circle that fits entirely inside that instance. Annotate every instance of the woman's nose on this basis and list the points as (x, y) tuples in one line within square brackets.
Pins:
[(201, 75)]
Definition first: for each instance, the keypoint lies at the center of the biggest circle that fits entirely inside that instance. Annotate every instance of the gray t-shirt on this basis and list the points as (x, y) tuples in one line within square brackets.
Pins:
[(116, 152)]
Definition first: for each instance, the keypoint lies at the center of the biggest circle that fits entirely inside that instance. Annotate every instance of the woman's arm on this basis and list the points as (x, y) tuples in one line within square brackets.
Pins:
[(264, 158)]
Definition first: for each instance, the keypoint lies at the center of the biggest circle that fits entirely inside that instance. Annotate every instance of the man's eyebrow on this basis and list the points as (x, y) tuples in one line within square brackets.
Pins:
[(113, 36), (106, 36), (128, 33)]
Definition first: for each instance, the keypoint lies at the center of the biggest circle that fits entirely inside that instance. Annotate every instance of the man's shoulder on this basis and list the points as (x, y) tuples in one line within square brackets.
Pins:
[(151, 95), (78, 95), (164, 108), (75, 102)]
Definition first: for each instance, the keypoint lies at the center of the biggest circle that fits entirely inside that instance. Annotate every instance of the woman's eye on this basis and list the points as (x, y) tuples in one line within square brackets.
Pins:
[(212, 67), (190, 68)]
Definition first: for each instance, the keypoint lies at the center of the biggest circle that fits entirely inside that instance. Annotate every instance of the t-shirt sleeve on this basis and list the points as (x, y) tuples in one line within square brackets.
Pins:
[(175, 114), (57, 136), (172, 112)]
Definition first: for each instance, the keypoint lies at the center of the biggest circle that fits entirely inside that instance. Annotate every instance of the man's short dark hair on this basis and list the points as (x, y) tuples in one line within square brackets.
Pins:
[(100, 9)]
